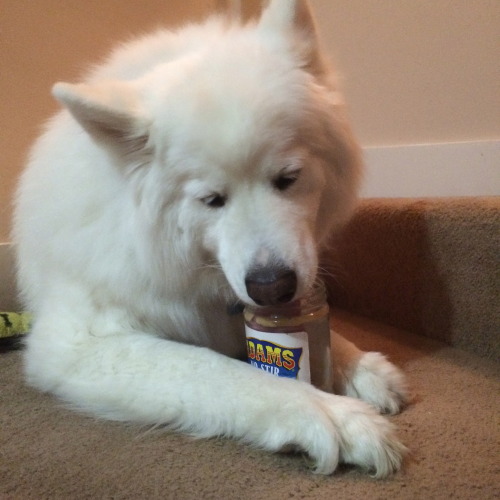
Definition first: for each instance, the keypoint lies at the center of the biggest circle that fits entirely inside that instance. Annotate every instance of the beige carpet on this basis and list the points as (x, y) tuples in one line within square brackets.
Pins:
[(451, 426), (430, 267)]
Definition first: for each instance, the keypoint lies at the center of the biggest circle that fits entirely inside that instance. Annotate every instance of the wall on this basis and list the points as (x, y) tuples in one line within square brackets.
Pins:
[(417, 71), (45, 41), (414, 72), (422, 81)]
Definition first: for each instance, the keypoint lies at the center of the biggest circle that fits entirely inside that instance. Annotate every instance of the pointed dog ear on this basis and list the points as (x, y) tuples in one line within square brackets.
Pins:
[(293, 19), (109, 112), (286, 14)]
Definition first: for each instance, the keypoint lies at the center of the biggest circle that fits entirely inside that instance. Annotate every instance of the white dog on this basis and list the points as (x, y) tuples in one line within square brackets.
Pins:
[(185, 168)]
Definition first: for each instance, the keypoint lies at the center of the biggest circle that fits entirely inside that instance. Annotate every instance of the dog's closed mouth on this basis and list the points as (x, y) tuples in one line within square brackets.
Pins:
[(235, 308)]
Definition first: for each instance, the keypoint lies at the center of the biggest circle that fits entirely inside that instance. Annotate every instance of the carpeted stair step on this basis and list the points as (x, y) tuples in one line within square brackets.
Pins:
[(430, 266)]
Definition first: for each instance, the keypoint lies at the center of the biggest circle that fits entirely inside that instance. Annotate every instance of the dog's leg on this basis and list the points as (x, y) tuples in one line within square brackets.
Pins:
[(368, 376), (137, 377)]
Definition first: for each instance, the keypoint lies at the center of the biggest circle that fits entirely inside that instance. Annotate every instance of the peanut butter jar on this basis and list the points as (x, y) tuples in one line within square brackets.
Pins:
[(293, 339)]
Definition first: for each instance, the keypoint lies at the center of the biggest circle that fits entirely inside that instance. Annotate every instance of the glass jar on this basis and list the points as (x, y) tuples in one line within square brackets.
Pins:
[(292, 340)]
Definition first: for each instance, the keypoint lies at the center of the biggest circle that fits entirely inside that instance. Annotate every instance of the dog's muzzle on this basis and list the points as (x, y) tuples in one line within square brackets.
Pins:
[(270, 285)]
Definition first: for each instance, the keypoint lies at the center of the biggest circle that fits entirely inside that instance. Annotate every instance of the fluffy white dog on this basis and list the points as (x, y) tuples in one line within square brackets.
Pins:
[(189, 172)]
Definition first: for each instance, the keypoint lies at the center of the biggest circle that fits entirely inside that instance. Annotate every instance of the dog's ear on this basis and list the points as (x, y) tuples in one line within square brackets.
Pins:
[(109, 112), (293, 19)]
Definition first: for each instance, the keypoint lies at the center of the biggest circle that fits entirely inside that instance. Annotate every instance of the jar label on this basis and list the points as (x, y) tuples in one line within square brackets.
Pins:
[(280, 354)]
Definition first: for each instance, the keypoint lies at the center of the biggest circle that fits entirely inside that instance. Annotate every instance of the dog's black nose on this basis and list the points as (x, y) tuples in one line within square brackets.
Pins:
[(271, 285)]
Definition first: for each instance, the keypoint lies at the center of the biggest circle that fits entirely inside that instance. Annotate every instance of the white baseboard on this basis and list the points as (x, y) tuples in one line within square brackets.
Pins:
[(8, 294), (426, 170)]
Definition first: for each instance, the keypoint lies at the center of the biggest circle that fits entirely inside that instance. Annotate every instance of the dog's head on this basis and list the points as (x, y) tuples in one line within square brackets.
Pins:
[(238, 150)]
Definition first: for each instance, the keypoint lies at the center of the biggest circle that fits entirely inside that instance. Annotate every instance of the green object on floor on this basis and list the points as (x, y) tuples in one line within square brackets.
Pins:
[(13, 324)]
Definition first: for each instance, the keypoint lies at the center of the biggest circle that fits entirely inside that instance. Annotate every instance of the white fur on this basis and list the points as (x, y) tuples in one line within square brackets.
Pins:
[(129, 273), (378, 382)]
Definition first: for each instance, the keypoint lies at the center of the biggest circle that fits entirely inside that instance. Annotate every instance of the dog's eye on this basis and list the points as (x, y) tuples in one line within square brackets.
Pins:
[(284, 181), (214, 200)]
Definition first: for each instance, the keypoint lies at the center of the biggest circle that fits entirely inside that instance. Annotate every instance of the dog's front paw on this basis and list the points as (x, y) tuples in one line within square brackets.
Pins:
[(367, 439), (356, 434), (378, 382), (333, 429)]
